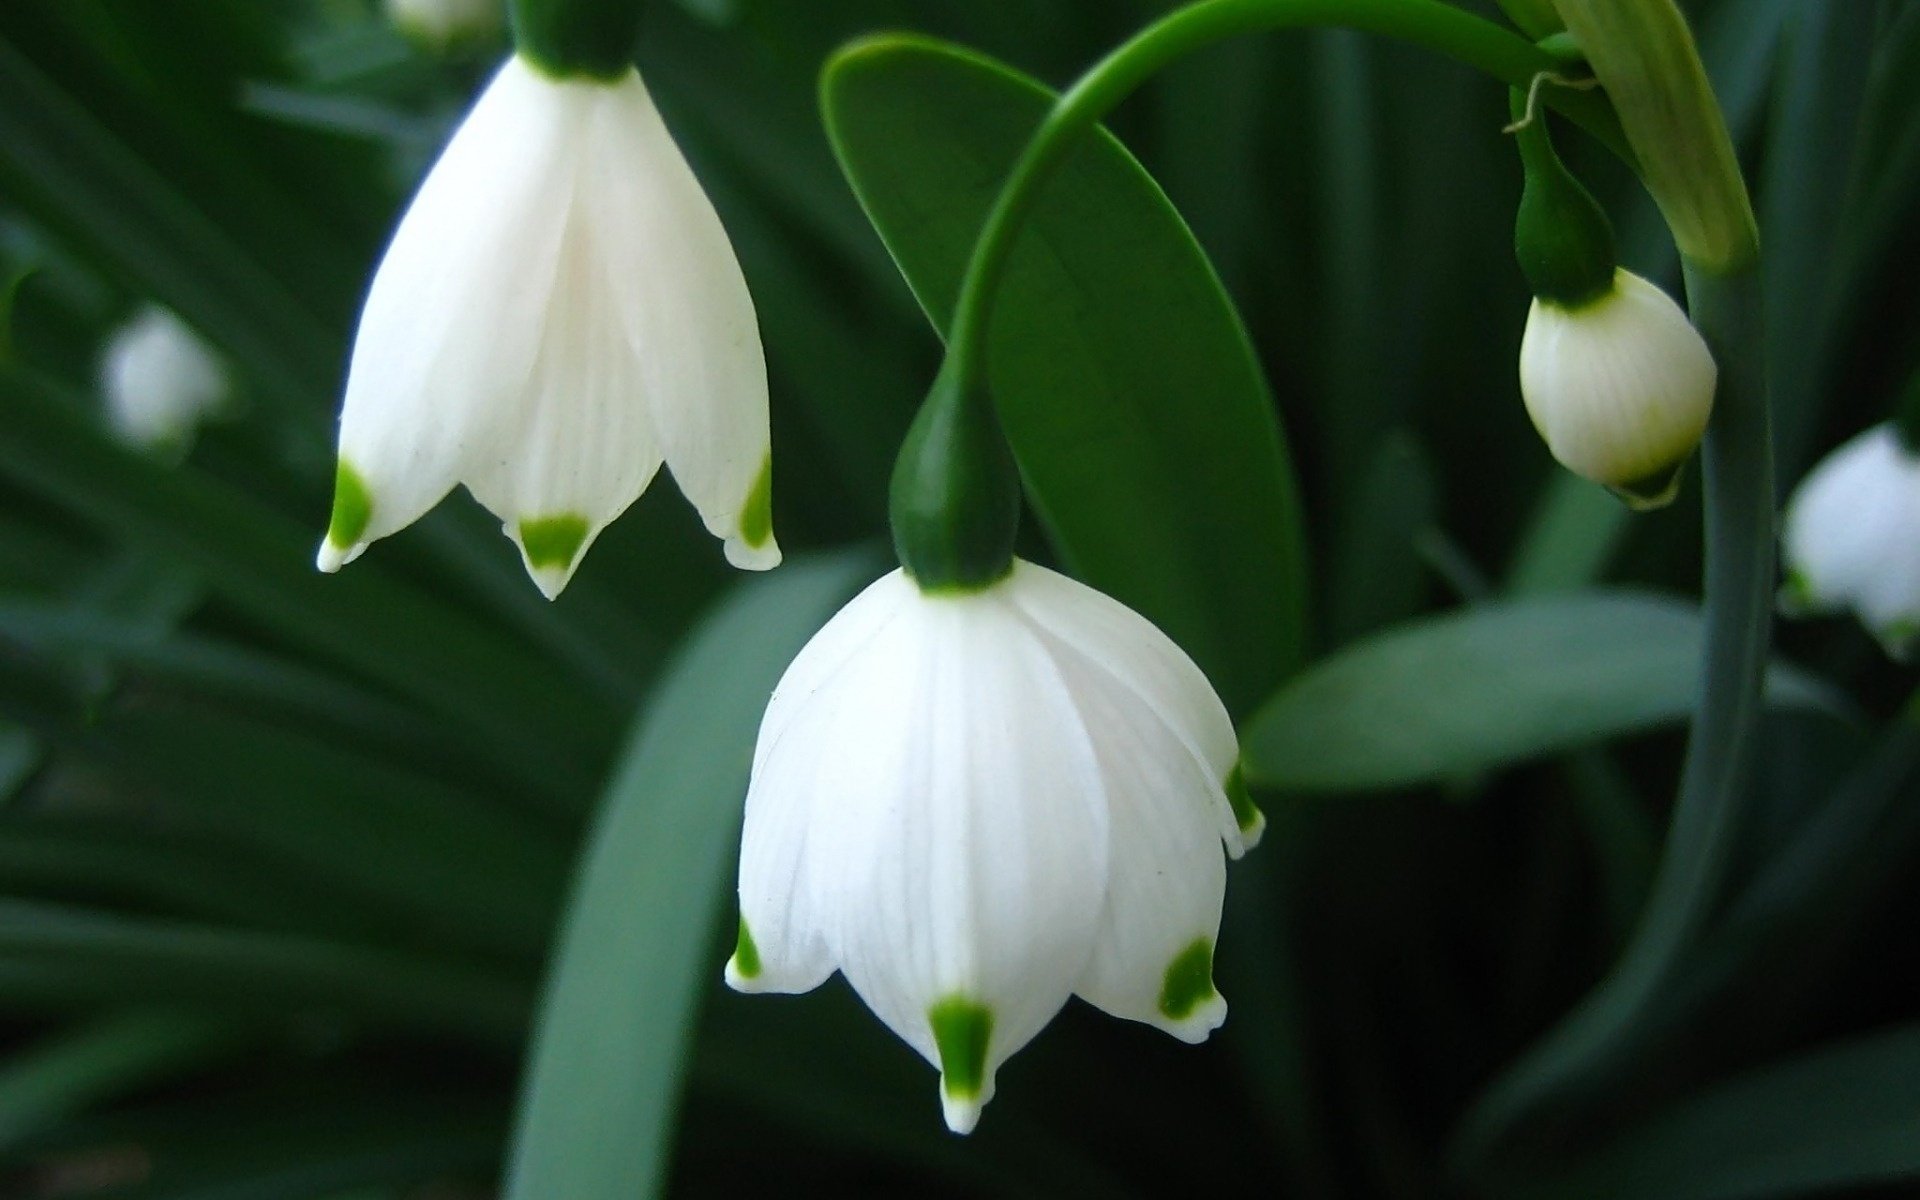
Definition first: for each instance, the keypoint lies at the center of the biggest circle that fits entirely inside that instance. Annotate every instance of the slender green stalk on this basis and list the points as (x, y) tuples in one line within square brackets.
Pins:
[(1738, 478), (1430, 23)]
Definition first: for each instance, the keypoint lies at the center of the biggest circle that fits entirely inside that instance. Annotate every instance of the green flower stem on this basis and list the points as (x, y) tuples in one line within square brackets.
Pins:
[(1577, 1058), (1430, 23)]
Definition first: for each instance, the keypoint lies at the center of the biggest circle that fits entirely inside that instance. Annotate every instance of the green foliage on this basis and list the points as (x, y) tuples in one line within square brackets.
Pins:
[(1487, 687), (284, 858)]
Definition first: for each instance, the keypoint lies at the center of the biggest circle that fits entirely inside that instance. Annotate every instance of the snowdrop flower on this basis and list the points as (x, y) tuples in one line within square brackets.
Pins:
[(975, 803), (558, 313), (1620, 386), (1851, 538), (160, 380)]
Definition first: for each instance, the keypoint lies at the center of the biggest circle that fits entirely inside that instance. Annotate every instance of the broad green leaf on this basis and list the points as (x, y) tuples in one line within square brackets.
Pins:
[(1485, 687), (1140, 417), (614, 1032), (1840, 1118)]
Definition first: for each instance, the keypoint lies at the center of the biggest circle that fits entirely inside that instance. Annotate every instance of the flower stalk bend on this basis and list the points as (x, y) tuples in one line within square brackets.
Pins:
[(1437, 26)]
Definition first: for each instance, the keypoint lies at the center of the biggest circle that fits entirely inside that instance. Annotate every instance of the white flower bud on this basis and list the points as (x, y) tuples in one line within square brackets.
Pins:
[(558, 313), (976, 804), (160, 380), (1851, 538), (439, 24), (1620, 387)]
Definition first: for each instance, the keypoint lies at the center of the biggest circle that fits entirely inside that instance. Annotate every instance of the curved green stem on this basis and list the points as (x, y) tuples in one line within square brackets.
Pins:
[(1577, 1058), (1430, 23)]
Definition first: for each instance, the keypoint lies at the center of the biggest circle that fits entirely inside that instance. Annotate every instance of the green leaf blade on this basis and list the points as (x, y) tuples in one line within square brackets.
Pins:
[(1488, 686), (1140, 416), (615, 1029)]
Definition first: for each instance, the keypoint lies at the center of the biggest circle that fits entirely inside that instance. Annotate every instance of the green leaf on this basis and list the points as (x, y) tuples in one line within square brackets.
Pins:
[(1839, 1118), (258, 561), (615, 1027), (1488, 686), (1139, 414), (65, 955), (112, 1056)]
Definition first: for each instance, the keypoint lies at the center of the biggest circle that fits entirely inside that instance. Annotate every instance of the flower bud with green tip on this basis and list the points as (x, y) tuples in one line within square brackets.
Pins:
[(1615, 377), (977, 802), (1850, 539), (559, 312)]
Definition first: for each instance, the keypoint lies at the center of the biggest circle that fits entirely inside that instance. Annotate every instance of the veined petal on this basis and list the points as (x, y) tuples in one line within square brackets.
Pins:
[(584, 448), (452, 324), (1620, 388), (1090, 627), (853, 629), (967, 851), (690, 321), (782, 947), (1167, 874)]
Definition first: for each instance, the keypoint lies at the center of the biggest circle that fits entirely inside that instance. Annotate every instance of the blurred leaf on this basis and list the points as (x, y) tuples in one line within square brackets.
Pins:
[(1839, 1118), (63, 955), (612, 1040), (75, 173), (67, 1073), (1126, 382), (1485, 687), (258, 561)]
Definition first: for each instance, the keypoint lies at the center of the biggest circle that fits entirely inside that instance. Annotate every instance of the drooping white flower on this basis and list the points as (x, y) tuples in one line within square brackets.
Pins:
[(1851, 538), (160, 379), (976, 804), (443, 23), (558, 313), (1620, 387)]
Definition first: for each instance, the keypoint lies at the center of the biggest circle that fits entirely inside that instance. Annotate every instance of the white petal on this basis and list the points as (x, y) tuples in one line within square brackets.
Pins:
[(776, 908), (584, 448), (690, 321), (852, 629), (1620, 388), (965, 849), (1100, 630), (1167, 875), (452, 325)]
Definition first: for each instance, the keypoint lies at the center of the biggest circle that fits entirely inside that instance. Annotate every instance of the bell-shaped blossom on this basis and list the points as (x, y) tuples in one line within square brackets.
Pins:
[(1620, 387), (440, 24), (160, 380), (558, 313), (974, 804), (1851, 538)]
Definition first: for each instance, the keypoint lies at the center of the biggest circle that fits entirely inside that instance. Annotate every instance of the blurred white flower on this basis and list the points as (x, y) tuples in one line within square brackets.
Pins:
[(160, 380), (559, 311), (975, 804), (1851, 538), (443, 23), (1620, 387)]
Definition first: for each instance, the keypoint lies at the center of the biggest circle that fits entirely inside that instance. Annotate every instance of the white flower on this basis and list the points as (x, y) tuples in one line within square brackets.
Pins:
[(443, 23), (559, 311), (975, 804), (1851, 538), (1620, 387), (160, 379)]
